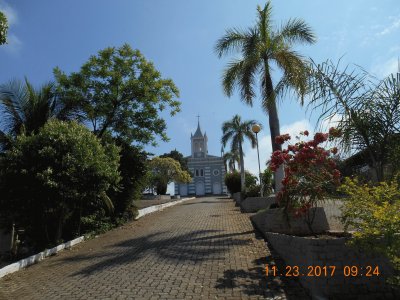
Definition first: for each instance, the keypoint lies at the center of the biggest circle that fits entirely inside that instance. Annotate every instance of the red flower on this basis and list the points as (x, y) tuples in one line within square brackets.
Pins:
[(306, 133), (280, 139), (334, 132), (336, 173), (334, 150), (320, 137)]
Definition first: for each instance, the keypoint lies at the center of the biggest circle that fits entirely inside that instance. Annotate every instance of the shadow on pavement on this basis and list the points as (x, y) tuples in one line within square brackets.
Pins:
[(189, 248), (255, 282)]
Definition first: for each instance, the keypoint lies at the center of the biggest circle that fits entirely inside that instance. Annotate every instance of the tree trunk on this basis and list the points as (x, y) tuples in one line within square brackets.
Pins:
[(242, 174), (274, 127)]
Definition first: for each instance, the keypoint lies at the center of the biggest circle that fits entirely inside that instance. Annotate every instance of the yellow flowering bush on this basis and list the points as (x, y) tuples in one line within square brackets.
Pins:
[(373, 212)]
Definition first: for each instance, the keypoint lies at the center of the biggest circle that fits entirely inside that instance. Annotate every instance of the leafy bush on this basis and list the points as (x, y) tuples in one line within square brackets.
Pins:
[(266, 178), (253, 191), (373, 212), (310, 174), (133, 170), (164, 170), (232, 182), (51, 180), (250, 180)]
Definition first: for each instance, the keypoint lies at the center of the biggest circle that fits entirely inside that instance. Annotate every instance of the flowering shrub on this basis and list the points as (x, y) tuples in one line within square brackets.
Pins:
[(373, 212), (310, 173)]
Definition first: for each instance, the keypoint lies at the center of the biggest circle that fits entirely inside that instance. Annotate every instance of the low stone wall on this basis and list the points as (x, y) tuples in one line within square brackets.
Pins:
[(237, 197), (156, 197), (274, 220), (23, 263), (254, 204), (303, 252)]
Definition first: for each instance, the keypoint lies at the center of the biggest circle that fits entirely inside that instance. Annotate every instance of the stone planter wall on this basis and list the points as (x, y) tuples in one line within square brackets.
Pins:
[(306, 251), (156, 197), (254, 204), (273, 220), (237, 197)]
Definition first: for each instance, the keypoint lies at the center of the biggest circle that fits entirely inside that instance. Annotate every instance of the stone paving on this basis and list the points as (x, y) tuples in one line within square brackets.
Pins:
[(201, 249)]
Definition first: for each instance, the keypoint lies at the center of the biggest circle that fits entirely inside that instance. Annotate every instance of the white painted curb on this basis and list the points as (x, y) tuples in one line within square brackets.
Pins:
[(23, 263), (148, 210)]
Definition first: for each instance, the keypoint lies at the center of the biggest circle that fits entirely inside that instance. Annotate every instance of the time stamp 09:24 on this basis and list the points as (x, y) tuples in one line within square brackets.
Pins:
[(323, 271)]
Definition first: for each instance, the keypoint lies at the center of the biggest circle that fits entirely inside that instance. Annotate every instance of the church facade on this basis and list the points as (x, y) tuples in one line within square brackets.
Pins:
[(208, 171)]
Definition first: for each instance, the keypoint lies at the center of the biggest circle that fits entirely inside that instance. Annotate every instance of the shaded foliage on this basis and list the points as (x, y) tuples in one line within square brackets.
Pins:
[(133, 169), (232, 182), (52, 179)]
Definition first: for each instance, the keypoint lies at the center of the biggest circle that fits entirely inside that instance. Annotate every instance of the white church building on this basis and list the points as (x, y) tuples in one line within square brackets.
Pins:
[(208, 171)]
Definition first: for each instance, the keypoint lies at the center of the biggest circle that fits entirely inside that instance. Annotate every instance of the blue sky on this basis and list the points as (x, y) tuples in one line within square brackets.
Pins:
[(179, 36)]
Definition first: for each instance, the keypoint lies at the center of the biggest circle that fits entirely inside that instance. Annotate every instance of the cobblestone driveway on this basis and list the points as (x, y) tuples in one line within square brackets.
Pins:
[(201, 249)]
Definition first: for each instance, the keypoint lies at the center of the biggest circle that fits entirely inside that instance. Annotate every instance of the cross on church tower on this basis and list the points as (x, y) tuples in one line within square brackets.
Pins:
[(198, 119)]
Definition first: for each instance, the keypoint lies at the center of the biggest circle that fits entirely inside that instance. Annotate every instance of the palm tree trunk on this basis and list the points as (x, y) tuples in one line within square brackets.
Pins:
[(274, 127), (242, 174)]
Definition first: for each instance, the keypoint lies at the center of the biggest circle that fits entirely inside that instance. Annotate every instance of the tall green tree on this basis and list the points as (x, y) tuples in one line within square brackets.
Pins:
[(263, 47), (26, 109), (3, 28), (119, 91), (236, 130)]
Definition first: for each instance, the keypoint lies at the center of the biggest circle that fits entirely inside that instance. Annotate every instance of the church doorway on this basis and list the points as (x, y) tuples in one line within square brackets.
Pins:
[(200, 188), (183, 190), (217, 190)]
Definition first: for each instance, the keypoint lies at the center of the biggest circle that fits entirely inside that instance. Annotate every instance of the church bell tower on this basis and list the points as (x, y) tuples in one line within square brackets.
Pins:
[(199, 142)]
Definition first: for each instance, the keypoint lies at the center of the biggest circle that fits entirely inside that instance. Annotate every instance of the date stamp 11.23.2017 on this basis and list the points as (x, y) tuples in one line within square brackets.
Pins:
[(323, 271)]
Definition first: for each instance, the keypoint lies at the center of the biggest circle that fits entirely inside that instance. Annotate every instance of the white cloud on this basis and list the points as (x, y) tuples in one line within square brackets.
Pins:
[(10, 13), (332, 122), (13, 45), (390, 28), (394, 49), (384, 69)]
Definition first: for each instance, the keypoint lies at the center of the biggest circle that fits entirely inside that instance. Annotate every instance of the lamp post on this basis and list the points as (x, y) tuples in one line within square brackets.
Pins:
[(256, 129)]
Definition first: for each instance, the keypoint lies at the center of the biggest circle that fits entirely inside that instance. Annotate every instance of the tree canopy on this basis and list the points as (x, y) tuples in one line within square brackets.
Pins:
[(175, 154), (3, 28), (119, 91), (166, 170)]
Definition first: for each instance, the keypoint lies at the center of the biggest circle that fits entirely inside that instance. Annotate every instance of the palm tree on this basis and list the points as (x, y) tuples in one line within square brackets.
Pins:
[(230, 159), (263, 47), (236, 130), (25, 109)]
